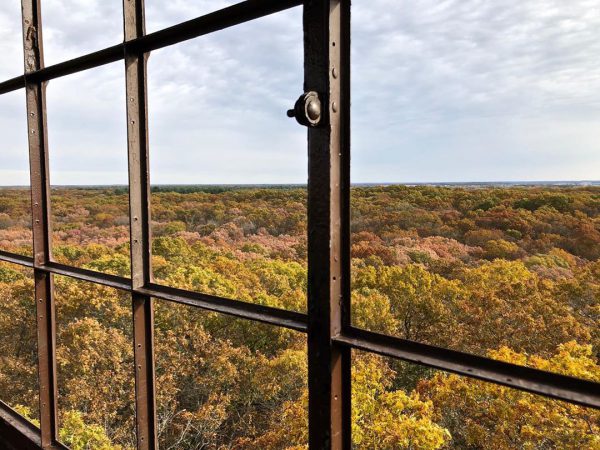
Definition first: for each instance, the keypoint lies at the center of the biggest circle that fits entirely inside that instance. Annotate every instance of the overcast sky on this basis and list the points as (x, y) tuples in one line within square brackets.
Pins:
[(455, 90)]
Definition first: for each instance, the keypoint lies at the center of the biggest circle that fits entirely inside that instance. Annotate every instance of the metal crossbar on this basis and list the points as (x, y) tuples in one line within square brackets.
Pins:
[(327, 323)]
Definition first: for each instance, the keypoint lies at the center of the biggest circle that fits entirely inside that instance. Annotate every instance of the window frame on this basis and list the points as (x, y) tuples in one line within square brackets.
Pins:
[(330, 335)]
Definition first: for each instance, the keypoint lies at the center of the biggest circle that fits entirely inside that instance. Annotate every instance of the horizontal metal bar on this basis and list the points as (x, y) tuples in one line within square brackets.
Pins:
[(260, 313), (12, 85), (90, 276), (13, 258), (16, 432), (79, 64), (218, 20), (275, 316), (561, 387)]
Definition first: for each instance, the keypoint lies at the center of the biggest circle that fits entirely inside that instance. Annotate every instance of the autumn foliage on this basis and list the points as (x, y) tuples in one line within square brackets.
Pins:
[(510, 273)]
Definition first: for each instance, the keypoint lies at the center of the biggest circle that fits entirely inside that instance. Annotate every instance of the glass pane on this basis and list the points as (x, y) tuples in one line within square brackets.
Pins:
[(77, 27), (161, 14), (228, 383), (88, 162), (396, 405), (18, 341), (475, 203), (11, 40), (15, 195), (94, 359), (228, 168)]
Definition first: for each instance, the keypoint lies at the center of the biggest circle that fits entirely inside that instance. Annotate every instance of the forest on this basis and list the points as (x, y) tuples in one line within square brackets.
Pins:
[(511, 273)]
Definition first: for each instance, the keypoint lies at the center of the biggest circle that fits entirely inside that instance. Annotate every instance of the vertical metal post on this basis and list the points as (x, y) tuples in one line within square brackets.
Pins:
[(329, 366), (139, 205), (346, 257), (40, 204)]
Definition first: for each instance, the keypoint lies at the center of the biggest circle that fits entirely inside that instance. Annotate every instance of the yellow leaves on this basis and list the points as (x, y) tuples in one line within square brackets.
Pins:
[(371, 310), (500, 248), (78, 435), (485, 415), (501, 276), (18, 356), (409, 433), (570, 358), (288, 429), (419, 301), (504, 353), (115, 264), (25, 411), (95, 371), (384, 419)]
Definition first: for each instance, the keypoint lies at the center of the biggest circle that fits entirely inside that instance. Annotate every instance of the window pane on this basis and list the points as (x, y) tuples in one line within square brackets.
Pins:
[(475, 223), (88, 162), (161, 14), (228, 168), (11, 43), (76, 27), (228, 383), (15, 195), (18, 341), (400, 405), (94, 358)]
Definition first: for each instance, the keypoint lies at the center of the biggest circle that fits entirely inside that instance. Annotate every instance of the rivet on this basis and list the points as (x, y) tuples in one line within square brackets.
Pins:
[(334, 107), (334, 72)]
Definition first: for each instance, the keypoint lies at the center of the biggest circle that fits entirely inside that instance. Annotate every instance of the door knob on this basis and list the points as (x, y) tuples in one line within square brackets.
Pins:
[(307, 109)]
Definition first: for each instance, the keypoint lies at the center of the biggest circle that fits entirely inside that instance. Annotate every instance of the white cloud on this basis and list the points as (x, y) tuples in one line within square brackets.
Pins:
[(14, 154), (75, 27), (11, 40), (475, 90), (161, 14), (442, 90), (87, 127)]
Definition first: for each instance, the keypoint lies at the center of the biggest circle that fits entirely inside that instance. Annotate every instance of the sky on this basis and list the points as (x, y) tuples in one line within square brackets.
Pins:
[(442, 90)]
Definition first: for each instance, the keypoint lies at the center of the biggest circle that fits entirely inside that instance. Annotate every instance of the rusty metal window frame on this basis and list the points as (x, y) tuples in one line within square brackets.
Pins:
[(330, 335)]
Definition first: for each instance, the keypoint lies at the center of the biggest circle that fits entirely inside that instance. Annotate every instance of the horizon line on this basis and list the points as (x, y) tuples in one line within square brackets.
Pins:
[(364, 183)]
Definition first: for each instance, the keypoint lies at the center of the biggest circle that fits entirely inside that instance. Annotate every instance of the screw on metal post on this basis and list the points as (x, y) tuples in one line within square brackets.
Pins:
[(307, 109)]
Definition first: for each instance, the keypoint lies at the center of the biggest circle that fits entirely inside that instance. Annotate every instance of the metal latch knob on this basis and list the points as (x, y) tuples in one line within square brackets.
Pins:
[(307, 109)]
